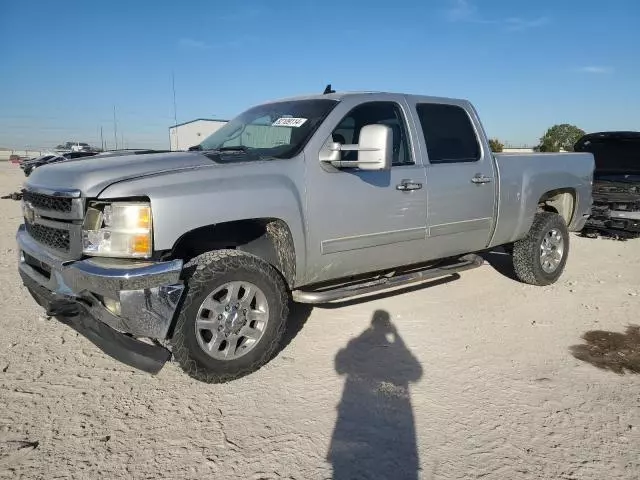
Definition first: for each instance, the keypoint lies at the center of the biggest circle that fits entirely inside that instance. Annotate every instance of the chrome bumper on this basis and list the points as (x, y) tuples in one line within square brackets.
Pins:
[(624, 215), (148, 292)]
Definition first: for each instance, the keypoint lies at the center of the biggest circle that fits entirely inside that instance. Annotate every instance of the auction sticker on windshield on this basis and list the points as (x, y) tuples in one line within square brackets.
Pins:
[(289, 122)]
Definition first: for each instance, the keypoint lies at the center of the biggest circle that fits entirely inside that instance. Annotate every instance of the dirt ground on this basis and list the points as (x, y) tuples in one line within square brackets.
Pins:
[(478, 377)]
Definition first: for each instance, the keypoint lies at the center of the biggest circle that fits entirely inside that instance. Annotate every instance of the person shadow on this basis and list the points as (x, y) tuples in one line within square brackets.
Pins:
[(374, 435)]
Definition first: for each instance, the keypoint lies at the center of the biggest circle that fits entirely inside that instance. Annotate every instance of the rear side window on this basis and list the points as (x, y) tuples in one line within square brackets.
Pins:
[(449, 133)]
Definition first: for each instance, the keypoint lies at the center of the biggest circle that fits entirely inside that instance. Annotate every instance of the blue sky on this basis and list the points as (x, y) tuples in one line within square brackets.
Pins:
[(525, 65)]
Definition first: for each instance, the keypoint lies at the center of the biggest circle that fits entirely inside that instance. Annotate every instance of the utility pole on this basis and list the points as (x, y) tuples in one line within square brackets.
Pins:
[(175, 111), (115, 127), (101, 139)]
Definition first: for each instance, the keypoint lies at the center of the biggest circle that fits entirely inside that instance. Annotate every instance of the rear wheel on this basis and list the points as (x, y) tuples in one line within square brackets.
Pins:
[(233, 316), (540, 257)]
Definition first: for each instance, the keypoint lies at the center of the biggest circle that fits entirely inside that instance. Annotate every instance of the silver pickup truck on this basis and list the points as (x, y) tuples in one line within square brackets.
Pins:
[(314, 199)]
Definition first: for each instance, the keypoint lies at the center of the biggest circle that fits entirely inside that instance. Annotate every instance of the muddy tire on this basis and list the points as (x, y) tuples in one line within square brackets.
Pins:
[(540, 257), (233, 316)]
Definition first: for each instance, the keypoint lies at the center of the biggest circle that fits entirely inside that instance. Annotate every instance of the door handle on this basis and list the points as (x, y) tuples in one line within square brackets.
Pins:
[(480, 179), (408, 185)]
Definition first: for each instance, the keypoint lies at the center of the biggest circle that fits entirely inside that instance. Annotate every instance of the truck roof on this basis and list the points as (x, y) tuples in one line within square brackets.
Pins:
[(338, 96)]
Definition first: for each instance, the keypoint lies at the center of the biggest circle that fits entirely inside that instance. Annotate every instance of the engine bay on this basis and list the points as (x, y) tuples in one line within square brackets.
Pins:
[(616, 185)]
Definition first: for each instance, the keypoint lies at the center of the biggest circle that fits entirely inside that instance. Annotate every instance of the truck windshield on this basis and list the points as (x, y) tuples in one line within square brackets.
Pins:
[(279, 130)]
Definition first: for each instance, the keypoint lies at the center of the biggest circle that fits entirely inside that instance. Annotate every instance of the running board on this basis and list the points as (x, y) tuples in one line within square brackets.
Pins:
[(370, 286)]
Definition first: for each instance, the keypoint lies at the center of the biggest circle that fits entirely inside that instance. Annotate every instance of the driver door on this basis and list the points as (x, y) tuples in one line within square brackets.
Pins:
[(363, 221)]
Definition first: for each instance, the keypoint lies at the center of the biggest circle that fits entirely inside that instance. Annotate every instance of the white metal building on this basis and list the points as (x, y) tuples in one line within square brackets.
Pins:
[(187, 134), (518, 150)]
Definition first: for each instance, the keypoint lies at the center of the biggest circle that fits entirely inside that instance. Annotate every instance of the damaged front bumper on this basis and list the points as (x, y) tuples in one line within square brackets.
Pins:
[(616, 208), (629, 220), (142, 298), (604, 218)]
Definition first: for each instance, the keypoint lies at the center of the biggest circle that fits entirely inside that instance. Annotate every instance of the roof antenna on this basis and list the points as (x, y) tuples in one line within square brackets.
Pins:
[(328, 90)]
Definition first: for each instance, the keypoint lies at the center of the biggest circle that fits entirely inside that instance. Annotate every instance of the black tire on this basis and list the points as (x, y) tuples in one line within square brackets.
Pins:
[(526, 252), (204, 274)]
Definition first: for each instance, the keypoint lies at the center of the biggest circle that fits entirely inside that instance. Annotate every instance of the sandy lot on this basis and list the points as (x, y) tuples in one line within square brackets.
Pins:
[(472, 378)]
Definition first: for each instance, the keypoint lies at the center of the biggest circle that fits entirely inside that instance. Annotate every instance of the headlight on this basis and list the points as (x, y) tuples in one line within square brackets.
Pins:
[(119, 229)]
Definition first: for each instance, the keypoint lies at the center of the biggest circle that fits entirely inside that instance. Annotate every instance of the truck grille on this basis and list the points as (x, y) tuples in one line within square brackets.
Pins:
[(46, 202), (49, 236), (53, 218)]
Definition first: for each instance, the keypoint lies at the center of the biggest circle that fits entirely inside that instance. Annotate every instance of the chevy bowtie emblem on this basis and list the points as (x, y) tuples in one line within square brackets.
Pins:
[(29, 212)]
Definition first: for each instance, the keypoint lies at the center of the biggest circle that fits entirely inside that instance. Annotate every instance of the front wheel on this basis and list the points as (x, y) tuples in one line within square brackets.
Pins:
[(540, 257), (233, 316)]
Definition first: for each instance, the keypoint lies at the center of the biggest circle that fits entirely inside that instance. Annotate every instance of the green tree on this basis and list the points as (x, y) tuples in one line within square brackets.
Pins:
[(560, 137), (496, 145)]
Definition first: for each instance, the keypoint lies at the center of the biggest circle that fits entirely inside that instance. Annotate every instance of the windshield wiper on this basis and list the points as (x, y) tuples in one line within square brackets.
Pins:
[(233, 148), (195, 147)]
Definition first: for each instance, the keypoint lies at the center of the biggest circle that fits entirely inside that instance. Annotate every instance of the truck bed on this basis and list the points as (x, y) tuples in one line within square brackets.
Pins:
[(525, 177)]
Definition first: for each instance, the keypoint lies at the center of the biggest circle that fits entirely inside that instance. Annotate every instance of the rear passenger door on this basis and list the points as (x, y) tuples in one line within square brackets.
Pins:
[(461, 181)]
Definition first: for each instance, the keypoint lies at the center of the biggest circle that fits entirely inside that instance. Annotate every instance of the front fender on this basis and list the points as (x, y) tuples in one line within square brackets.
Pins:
[(187, 200)]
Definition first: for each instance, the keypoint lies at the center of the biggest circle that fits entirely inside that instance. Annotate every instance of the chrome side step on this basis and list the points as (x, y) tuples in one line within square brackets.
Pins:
[(386, 282)]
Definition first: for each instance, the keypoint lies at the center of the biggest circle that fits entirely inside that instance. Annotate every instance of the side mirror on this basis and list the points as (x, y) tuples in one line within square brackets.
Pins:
[(375, 150)]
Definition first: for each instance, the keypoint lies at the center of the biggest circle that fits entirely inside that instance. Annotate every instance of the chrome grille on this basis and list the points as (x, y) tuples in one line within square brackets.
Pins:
[(53, 218), (49, 236), (47, 202)]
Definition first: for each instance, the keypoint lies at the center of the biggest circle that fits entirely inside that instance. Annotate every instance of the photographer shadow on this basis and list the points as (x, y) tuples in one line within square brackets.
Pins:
[(375, 436)]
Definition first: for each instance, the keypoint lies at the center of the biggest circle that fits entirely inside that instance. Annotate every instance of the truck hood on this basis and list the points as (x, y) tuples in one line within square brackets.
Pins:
[(615, 153), (91, 175)]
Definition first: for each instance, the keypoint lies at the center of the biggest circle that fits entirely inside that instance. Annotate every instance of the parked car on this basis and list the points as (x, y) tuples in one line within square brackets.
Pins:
[(312, 199), (17, 159), (30, 165), (76, 147), (616, 187)]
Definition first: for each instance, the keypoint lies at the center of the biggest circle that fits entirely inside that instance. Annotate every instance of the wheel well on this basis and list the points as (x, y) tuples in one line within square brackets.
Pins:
[(561, 202), (267, 238)]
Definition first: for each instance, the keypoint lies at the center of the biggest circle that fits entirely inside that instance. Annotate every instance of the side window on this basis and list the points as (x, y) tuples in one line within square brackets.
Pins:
[(386, 113), (449, 133), (345, 131)]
